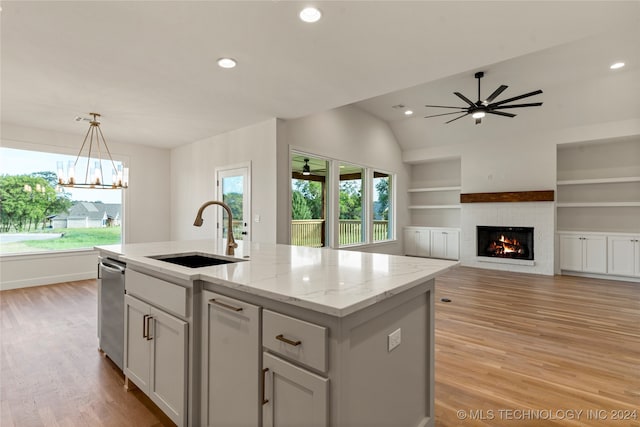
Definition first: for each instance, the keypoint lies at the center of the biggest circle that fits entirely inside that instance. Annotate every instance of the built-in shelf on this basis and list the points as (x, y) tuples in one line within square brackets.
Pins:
[(598, 204), (600, 180), (434, 207), (426, 189)]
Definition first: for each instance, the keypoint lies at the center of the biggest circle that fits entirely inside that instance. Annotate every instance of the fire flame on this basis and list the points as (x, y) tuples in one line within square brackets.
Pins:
[(505, 245)]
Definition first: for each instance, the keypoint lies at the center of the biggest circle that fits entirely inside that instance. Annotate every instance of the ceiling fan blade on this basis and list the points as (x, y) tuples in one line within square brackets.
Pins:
[(532, 104), (495, 94), (444, 114), (515, 98), (453, 120), (500, 113), (445, 106), (464, 98)]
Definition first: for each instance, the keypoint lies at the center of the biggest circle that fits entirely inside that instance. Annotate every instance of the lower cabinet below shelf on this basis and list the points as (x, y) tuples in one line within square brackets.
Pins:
[(293, 396), (431, 242)]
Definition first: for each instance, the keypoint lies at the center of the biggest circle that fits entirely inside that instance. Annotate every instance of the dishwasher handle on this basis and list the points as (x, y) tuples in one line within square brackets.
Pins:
[(114, 268)]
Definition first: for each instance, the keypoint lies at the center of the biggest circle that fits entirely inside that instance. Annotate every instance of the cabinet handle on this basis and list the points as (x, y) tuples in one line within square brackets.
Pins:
[(264, 385), (149, 337), (227, 306), (288, 341), (145, 331)]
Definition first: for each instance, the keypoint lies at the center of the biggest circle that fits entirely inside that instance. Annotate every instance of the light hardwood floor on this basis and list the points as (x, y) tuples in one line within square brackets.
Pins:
[(511, 350)]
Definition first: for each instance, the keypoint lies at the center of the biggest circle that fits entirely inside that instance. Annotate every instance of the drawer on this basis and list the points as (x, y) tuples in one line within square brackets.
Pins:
[(161, 293), (295, 339)]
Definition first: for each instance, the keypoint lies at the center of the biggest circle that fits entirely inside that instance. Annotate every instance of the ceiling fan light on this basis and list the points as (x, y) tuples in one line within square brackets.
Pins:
[(306, 170), (478, 114)]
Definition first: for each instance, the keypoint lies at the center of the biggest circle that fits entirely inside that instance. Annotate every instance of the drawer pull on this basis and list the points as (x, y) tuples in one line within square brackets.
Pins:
[(145, 331), (149, 337), (227, 306), (288, 341), (264, 385)]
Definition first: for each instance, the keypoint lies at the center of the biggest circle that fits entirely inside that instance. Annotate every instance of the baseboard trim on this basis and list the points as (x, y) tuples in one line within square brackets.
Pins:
[(46, 280)]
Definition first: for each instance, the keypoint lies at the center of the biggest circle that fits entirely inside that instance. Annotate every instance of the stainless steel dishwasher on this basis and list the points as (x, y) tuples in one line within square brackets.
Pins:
[(111, 276)]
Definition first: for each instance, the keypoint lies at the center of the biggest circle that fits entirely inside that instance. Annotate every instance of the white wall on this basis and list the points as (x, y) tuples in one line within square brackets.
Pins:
[(146, 206), (350, 134), (193, 180)]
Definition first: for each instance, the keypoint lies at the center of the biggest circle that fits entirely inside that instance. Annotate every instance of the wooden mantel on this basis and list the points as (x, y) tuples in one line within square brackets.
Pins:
[(508, 197)]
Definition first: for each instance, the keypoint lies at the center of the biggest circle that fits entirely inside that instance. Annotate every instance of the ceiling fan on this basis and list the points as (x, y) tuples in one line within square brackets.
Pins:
[(480, 108)]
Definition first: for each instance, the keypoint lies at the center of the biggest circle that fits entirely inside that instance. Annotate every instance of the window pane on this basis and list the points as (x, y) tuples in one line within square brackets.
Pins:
[(308, 201), (38, 216), (352, 227), (382, 207)]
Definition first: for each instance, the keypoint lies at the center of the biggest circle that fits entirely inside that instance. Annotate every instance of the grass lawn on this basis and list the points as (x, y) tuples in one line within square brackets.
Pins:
[(73, 238)]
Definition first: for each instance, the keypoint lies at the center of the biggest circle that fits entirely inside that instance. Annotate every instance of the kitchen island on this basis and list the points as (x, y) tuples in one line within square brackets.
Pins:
[(286, 335)]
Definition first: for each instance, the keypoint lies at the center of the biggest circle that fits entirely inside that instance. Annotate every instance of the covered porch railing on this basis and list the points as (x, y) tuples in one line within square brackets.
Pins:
[(310, 232)]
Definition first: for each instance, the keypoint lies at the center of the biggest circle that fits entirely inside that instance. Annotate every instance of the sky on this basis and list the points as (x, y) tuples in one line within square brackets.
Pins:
[(19, 162)]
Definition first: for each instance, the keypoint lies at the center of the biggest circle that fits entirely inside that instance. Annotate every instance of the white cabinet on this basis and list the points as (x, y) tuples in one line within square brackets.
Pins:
[(624, 255), (155, 356), (417, 241), (231, 362), (583, 252), (445, 244), (293, 396), (434, 242)]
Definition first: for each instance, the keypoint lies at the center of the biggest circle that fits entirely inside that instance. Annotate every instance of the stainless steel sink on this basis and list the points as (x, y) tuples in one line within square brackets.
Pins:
[(195, 260)]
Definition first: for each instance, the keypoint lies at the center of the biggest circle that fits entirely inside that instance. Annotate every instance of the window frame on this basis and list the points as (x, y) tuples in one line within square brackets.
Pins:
[(54, 151), (333, 200)]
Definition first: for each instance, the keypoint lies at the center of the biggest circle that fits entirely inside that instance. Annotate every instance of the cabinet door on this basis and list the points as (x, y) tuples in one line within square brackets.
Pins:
[(637, 263), (438, 244), (594, 250), (423, 243), (168, 378), (410, 240), (570, 252), (622, 255), (295, 397), (453, 245), (137, 348), (231, 368)]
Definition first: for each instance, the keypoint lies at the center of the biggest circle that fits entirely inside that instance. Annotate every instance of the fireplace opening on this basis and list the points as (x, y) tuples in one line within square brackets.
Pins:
[(505, 242)]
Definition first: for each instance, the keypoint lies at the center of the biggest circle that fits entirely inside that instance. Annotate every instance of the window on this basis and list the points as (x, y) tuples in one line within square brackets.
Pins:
[(36, 215), (361, 215), (382, 207), (352, 229), (308, 201)]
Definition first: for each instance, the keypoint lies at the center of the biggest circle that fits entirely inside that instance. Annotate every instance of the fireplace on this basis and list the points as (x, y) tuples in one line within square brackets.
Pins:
[(505, 242)]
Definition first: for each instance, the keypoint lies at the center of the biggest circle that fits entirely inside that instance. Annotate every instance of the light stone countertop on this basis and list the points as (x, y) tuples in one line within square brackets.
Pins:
[(334, 282)]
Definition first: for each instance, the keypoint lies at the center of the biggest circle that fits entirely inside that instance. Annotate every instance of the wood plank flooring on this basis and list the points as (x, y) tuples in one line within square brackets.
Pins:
[(530, 350), (506, 346), (51, 372)]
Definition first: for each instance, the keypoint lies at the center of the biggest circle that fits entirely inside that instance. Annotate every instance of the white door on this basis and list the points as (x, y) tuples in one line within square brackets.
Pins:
[(233, 188), (622, 255), (571, 252), (595, 254)]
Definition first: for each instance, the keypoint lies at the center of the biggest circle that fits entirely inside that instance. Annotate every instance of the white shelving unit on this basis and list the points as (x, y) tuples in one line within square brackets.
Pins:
[(434, 193), (598, 208)]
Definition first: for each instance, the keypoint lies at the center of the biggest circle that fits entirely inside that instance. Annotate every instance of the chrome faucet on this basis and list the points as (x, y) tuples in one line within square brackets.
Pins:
[(231, 243)]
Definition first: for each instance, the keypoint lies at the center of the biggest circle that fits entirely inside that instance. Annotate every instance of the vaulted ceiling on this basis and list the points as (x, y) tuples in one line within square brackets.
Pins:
[(150, 67)]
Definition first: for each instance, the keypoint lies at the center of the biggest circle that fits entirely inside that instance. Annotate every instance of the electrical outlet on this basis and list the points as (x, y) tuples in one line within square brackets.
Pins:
[(256, 218), (394, 339)]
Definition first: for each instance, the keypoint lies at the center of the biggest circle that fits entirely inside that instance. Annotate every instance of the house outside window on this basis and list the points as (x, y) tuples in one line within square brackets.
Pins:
[(37, 215)]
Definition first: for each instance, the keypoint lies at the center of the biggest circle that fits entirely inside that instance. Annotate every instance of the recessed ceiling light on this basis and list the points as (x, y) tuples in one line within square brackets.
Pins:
[(310, 14), (408, 112), (617, 65), (227, 62)]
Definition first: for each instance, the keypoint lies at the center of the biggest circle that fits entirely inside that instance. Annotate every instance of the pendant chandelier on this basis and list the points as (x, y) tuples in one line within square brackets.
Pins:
[(94, 171)]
